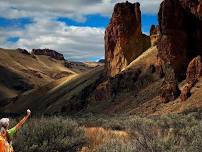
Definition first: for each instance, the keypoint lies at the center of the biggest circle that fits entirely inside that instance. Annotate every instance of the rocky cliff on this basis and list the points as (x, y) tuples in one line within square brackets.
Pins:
[(180, 39), (48, 52), (181, 33), (124, 40)]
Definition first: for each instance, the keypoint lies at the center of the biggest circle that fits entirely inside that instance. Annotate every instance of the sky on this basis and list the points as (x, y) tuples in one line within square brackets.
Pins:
[(74, 28)]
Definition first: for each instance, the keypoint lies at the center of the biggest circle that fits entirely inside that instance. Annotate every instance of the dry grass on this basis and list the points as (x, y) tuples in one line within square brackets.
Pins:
[(145, 59), (99, 136)]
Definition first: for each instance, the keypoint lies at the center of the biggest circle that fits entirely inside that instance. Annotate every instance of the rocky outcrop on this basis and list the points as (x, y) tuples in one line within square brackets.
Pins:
[(124, 40), (102, 92), (48, 52), (181, 33), (159, 67), (169, 89), (23, 51), (154, 34), (180, 40), (194, 71)]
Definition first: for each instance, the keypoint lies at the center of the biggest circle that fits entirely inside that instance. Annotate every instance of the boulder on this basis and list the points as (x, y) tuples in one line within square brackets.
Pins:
[(124, 40)]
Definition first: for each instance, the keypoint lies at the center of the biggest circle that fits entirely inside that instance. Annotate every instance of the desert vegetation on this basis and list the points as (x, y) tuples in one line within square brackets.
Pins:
[(101, 133), (54, 134)]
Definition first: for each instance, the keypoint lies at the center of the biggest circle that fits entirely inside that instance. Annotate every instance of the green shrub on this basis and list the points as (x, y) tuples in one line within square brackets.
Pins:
[(116, 145), (54, 134), (172, 133)]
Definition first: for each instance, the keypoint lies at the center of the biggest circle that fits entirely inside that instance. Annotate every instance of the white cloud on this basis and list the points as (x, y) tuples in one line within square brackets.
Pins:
[(74, 42), (76, 9)]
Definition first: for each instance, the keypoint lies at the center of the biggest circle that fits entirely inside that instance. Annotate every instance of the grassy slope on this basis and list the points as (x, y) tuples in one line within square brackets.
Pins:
[(145, 59), (35, 71), (18, 70), (56, 95), (125, 102), (148, 99)]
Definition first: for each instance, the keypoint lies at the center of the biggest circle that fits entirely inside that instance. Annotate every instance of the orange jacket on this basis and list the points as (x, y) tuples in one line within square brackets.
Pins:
[(4, 145)]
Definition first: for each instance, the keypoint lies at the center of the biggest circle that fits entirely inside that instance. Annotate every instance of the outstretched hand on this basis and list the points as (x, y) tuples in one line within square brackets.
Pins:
[(28, 112), (19, 125)]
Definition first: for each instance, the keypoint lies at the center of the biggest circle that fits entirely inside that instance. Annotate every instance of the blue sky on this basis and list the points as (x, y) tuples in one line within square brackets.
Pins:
[(74, 28), (96, 20)]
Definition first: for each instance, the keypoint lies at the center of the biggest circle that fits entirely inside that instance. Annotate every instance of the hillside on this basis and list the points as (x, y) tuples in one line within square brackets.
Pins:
[(143, 98), (22, 72), (78, 92), (143, 75), (65, 95)]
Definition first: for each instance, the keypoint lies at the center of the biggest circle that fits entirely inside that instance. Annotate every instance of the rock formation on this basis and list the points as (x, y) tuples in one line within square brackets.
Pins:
[(154, 34), (180, 25), (169, 90), (102, 92), (48, 52), (159, 67), (194, 71), (124, 40), (181, 33), (23, 51)]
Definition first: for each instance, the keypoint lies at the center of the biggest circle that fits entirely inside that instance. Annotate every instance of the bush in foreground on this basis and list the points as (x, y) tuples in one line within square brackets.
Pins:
[(54, 134)]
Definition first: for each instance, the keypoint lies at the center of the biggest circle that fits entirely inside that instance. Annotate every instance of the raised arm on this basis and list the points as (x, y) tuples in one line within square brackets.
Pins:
[(19, 125)]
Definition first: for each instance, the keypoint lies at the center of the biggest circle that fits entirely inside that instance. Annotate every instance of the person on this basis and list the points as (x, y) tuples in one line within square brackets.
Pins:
[(6, 135)]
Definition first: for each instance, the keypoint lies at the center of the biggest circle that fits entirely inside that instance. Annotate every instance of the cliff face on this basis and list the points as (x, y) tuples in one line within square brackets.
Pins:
[(180, 40), (181, 33), (48, 52), (124, 40)]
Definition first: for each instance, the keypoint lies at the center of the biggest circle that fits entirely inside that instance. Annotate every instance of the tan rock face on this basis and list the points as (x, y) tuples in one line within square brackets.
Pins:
[(124, 40), (192, 76)]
